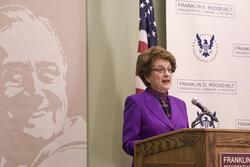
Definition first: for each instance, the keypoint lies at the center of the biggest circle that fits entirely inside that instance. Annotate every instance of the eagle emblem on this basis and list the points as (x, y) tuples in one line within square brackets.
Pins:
[(204, 45)]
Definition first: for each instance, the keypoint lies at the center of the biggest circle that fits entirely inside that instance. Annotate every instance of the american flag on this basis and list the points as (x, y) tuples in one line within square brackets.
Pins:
[(147, 33)]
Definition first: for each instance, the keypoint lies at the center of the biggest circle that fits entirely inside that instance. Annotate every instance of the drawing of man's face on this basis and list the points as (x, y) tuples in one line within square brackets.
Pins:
[(32, 79)]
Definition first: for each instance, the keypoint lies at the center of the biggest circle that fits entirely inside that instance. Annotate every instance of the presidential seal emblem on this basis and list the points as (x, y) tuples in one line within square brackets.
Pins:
[(205, 47)]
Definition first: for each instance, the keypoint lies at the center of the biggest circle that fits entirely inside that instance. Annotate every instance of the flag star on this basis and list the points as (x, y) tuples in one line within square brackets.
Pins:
[(151, 8), (148, 12), (154, 33), (147, 1), (142, 5), (154, 23)]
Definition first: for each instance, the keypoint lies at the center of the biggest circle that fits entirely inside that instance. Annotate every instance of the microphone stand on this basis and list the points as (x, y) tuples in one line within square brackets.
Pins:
[(206, 123)]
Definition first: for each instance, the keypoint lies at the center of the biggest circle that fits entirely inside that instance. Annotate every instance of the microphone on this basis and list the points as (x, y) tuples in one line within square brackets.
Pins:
[(204, 109), (197, 103)]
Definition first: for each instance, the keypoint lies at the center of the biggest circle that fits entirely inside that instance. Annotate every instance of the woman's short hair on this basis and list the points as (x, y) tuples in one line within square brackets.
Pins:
[(146, 59)]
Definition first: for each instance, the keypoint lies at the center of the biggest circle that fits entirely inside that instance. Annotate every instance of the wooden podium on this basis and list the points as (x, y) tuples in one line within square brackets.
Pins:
[(191, 148)]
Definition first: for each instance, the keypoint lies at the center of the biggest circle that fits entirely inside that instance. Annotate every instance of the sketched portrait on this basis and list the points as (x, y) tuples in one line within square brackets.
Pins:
[(35, 128)]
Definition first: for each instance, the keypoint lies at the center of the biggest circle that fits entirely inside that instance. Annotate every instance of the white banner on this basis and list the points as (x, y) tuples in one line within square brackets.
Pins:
[(210, 40)]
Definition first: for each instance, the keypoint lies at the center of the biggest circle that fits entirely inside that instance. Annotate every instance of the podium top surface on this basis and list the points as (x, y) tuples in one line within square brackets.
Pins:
[(193, 130)]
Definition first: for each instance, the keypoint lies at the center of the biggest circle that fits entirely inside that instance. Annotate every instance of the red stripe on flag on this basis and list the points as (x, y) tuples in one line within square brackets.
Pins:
[(139, 90), (142, 46)]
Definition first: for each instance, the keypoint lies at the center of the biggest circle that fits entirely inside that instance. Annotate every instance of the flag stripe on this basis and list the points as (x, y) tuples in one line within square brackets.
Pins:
[(142, 46), (139, 83)]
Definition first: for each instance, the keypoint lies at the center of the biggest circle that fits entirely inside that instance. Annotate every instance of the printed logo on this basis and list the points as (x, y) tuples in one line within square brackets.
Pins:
[(205, 47), (242, 123)]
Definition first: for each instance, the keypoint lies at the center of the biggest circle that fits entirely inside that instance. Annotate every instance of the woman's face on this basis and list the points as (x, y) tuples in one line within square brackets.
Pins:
[(160, 77)]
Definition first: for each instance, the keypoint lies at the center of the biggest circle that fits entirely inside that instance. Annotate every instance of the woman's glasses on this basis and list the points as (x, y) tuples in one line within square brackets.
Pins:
[(162, 70)]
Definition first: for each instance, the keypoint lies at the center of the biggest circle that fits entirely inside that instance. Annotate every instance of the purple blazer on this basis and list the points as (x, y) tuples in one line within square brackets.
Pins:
[(144, 117)]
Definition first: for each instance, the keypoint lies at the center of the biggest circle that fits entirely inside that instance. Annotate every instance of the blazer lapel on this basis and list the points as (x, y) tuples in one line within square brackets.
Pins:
[(154, 106)]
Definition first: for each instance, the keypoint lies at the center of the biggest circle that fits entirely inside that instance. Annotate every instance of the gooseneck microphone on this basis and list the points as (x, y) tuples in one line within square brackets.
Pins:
[(203, 108), (197, 103)]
